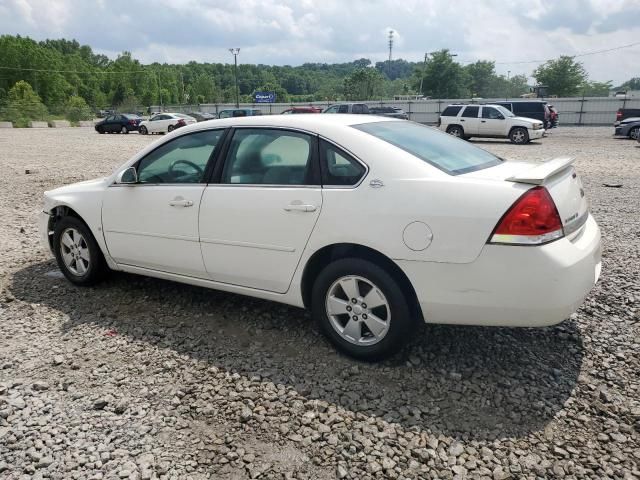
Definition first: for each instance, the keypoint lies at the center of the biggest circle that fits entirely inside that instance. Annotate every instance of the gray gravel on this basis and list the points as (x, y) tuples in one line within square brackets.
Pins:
[(142, 379)]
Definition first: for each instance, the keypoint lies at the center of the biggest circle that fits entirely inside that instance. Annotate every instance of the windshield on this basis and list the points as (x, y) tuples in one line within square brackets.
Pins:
[(452, 155), (504, 111)]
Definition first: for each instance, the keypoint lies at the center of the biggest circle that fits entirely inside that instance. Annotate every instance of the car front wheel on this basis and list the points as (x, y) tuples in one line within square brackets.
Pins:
[(634, 134), (361, 309), (519, 136), (77, 252), (143, 130)]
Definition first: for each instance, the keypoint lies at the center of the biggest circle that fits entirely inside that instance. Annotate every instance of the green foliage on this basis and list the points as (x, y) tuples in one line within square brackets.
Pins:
[(596, 89), (631, 84), (23, 104), (442, 77), (563, 76), (363, 84), (77, 109)]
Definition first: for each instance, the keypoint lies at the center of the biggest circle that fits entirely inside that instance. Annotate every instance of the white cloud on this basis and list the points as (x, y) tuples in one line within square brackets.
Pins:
[(294, 32)]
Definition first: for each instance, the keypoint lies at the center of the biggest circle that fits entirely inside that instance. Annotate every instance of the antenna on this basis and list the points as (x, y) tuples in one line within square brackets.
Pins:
[(391, 32)]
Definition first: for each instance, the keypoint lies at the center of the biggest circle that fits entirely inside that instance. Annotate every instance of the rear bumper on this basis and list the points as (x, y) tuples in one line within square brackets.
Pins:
[(511, 285)]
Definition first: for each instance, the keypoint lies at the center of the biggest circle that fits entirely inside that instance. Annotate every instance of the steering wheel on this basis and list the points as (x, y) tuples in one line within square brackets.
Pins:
[(186, 162)]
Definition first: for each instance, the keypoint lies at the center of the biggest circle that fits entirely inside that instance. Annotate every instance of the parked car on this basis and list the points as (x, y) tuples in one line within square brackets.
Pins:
[(165, 123), (629, 127), (494, 121), (120, 123), (624, 113), (393, 112), (536, 109), (202, 116), (239, 112), (358, 108), (302, 110), (382, 222)]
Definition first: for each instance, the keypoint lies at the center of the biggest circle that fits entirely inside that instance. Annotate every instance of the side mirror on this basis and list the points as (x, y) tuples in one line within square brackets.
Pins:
[(128, 176)]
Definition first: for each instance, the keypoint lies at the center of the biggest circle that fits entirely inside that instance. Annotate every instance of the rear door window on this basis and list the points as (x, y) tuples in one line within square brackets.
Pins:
[(471, 112), (343, 109), (338, 167)]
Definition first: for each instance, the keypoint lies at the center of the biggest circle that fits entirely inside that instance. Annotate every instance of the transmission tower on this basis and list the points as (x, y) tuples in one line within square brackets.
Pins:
[(391, 32)]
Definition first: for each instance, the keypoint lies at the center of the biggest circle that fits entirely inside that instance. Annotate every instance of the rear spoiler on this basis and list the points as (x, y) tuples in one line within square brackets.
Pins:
[(537, 174)]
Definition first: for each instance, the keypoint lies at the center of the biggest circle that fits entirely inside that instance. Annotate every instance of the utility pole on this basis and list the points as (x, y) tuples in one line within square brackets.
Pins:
[(391, 32), (424, 72), (159, 90), (508, 85), (182, 82), (235, 52)]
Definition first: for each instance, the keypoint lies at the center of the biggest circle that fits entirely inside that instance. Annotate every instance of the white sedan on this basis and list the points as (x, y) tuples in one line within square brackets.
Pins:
[(165, 123), (371, 223)]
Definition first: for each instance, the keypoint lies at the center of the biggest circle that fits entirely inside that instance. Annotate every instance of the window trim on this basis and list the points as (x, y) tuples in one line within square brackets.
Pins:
[(350, 154), (205, 174), (215, 179)]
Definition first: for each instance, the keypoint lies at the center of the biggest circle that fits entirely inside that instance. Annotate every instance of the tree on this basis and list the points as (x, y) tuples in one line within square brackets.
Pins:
[(482, 78), (363, 84), (631, 84), (443, 78), (77, 109), (563, 76), (596, 89), (24, 105)]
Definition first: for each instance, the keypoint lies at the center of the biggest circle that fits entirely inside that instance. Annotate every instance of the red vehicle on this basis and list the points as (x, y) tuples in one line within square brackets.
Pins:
[(302, 110)]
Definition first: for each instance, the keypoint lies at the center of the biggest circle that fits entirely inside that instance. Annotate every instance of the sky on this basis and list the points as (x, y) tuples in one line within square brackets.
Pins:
[(292, 32)]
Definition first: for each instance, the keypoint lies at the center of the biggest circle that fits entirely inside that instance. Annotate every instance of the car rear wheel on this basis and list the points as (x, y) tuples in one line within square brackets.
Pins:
[(456, 131), (519, 136), (361, 309), (78, 255), (124, 129), (143, 130), (100, 130), (634, 133), (170, 128)]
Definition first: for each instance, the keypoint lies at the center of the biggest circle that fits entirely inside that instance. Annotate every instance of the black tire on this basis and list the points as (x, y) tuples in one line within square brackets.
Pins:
[(401, 321), (519, 135), (97, 266), (634, 133), (100, 130), (170, 128), (124, 129), (143, 130), (456, 131)]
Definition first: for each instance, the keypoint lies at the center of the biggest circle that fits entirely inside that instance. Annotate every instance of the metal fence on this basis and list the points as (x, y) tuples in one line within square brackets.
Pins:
[(573, 111)]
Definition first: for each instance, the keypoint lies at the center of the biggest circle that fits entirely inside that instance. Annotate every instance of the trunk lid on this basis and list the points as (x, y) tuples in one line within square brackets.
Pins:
[(558, 176)]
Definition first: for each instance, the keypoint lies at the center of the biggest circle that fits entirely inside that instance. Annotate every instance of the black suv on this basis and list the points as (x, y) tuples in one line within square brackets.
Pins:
[(537, 109)]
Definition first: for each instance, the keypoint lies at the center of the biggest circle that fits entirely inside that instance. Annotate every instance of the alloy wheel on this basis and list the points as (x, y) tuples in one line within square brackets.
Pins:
[(358, 310), (75, 252)]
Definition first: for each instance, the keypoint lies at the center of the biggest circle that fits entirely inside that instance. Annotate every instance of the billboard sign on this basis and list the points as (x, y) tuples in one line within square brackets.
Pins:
[(265, 97)]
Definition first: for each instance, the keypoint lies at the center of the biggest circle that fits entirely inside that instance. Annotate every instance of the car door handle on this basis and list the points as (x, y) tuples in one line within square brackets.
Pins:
[(181, 203), (462, 119), (483, 121), (300, 207)]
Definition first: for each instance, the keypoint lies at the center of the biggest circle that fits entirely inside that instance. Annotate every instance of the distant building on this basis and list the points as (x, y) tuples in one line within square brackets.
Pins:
[(406, 98)]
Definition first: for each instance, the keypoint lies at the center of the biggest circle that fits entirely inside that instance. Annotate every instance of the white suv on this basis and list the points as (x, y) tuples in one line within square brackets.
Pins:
[(493, 121)]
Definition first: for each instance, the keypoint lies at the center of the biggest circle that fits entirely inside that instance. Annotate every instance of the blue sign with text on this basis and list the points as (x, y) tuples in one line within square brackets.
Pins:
[(265, 97)]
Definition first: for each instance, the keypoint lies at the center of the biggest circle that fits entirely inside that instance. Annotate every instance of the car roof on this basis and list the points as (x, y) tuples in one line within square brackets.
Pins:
[(313, 123)]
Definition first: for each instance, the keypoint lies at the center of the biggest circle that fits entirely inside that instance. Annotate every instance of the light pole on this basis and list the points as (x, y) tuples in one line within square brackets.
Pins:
[(235, 52), (508, 85)]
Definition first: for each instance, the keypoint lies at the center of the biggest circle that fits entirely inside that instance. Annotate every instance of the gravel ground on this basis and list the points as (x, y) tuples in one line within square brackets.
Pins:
[(141, 378)]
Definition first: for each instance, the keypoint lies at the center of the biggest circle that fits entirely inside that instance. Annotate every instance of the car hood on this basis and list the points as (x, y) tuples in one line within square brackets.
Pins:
[(629, 120), (525, 119), (96, 183)]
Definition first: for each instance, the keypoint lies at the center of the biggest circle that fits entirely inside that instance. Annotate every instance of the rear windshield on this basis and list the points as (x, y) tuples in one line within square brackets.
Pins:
[(450, 154)]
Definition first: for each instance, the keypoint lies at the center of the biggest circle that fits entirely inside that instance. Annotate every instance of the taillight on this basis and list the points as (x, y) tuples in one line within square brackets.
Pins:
[(619, 115), (532, 220), (132, 122), (181, 123)]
